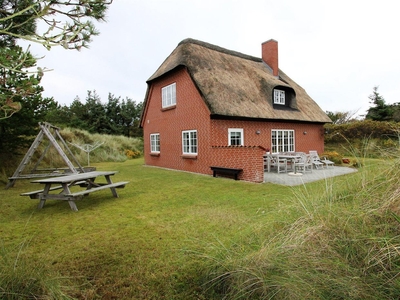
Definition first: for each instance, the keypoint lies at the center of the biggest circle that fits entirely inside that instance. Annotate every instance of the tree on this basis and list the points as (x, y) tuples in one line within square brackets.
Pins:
[(58, 114), (96, 114), (78, 115), (341, 117), (113, 115), (14, 21), (66, 22), (136, 130), (380, 111), (396, 112), (15, 82), (130, 113), (19, 20), (17, 133), (123, 116)]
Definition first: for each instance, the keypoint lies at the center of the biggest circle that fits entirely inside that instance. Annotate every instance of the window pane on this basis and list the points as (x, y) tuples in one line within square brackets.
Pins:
[(282, 141), (189, 142), (235, 137), (193, 142), (168, 94), (279, 97), (155, 142), (185, 142)]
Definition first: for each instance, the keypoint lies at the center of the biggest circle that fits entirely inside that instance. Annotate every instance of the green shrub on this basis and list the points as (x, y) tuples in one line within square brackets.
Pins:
[(365, 138), (132, 154), (361, 130), (333, 156)]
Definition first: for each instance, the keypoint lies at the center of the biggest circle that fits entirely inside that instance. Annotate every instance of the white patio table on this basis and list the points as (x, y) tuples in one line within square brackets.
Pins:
[(292, 157)]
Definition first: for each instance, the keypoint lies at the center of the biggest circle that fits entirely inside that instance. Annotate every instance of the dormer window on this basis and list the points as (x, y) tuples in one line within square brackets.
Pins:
[(279, 97), (168, 95)]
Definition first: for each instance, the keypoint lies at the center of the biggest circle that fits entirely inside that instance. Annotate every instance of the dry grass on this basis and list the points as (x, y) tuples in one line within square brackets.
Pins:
[(342, 244), (176, 235)]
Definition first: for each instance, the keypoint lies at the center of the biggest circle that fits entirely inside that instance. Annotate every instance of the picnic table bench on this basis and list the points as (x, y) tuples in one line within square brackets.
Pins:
[(224, 170), (64, 183)]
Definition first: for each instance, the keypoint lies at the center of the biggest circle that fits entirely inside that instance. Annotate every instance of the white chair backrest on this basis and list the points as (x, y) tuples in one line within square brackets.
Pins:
[(302, 158), (271, 158), (314, 154)]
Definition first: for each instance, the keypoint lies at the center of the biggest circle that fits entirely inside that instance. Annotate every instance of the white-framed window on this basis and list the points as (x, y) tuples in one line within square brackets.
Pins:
[(279, 97), (155, 142), (189, 142), (168, 94), (235, 137), (282, 140)]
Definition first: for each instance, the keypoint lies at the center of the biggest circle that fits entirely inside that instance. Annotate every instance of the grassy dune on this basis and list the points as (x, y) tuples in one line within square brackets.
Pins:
[(176, 235)]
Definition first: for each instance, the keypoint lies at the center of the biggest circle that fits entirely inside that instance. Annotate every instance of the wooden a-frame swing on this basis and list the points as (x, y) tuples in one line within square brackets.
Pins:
[(52, 133)]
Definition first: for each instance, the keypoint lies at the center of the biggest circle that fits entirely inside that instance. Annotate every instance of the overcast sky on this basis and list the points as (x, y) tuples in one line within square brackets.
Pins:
[(336, 50)]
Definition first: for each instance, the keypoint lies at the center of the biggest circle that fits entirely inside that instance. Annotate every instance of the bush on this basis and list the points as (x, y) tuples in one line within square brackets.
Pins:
[(367, 139), (132, 154), (361, 130), (333, 156)]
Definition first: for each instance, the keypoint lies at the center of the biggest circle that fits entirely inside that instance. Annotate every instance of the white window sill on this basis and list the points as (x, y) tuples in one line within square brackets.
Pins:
[(168, 107), (189, 156)]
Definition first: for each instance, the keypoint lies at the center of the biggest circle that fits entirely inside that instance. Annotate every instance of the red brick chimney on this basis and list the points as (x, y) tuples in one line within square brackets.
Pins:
[(270, 55)]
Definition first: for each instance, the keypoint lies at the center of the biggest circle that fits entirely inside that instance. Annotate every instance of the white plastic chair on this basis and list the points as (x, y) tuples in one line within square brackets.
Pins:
[(274, 161), (324, 160), (327, 162), (317, 163), (304, 164)]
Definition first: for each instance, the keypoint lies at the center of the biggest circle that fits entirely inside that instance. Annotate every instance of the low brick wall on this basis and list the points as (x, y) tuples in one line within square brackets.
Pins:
[(248, 158)]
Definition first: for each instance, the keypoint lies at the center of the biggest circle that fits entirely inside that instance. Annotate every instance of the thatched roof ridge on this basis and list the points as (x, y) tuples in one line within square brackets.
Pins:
[(233, 84), (219, 49)]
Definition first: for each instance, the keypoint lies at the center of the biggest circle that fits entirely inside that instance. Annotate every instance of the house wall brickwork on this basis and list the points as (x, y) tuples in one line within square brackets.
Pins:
[(258, 133), (191, 113)]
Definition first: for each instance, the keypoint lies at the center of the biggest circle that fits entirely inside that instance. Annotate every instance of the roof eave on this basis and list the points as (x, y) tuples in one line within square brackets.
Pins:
[(243, 118)]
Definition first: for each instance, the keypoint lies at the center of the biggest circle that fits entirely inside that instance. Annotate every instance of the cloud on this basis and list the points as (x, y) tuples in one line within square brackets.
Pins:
[(337, 51)]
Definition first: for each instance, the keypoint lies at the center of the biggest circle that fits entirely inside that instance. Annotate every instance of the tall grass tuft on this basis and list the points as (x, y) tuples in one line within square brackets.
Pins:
[(343, 243), (23, 279)]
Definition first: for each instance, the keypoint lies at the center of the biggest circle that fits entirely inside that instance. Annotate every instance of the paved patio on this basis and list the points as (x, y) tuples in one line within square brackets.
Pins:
[(292, 180)]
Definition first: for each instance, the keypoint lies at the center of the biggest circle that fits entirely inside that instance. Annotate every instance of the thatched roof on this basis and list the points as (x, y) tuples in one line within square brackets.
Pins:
[(233, 84)]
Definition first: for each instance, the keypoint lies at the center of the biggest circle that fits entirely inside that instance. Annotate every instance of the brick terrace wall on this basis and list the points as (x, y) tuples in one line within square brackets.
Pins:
[(250, 159)]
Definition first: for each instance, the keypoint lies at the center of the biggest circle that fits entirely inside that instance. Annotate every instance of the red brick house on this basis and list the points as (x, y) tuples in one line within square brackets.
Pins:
[(209, 106)]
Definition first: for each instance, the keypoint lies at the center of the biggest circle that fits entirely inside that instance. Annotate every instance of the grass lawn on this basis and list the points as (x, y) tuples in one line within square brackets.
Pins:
[(163, 236)]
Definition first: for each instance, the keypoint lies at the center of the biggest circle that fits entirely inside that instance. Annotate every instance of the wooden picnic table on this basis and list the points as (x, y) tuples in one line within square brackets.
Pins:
[(63, 183)]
